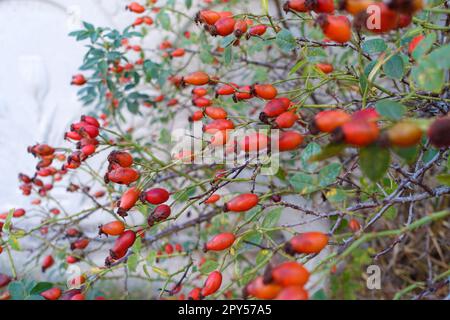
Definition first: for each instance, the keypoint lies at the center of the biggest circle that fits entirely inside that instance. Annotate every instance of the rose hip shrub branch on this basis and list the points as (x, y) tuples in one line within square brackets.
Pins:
[(361, 111)]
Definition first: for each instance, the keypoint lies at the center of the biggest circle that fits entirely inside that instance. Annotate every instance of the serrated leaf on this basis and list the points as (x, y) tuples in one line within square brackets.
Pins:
[(285, 40), (374, 162)]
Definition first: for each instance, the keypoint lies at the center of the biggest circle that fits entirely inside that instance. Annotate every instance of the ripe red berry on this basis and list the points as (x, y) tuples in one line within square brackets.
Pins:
[(292, 293), (240, 28), (80, 244), (286, 119), (354, 225), (168, 249), (388, 19), (360, 133), (223, 27), (325, 67), (79, 297), (71, 259), (296, 5), (122, 244), (52, 294), (123, 159), (195, 294), (242, 202), (78, 80), (47, 262), (198, 78), (289, 140), (226, 90), (196, 116), (212, 199), (216, 113), (321, 6), (290, 273), (276, 107), (258, 30), (258, 289), (161, 212), (308, 242), (123, 175), (243, 93), (128, 200), (208, 16), (254, 142), (220, 242), (336, 28), (265, 91), (329, 120), (155, 196), (212, 284), (4, 280), (135, 7), (218, 125), (114, 228)]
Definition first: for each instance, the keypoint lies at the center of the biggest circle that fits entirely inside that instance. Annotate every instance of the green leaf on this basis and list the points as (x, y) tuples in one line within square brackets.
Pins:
[(165, 137), (390, 109), (328, 151), (228, 55), (271, 218), (319, 295), (441, 56), (164, 19), (408, 154), (7, 224), (374, 46), (17, 290), (424, 46), (374, 162), (208, 267), (132, 262), (308, 153), (328, 174), (394, 68), (303, 183), (188, 3), (41, 287), (286, 41), (428, 75), (297, 66)]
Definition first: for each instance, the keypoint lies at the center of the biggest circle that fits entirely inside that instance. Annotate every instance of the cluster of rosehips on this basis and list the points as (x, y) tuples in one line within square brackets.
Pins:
[(393, 15), (85, 133), (223, 24), (361, 129), (119, 169), (286, 281), (276, 108)]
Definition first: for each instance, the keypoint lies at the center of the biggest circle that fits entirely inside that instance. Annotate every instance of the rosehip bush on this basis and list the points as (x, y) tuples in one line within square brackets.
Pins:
[(350, 97)]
